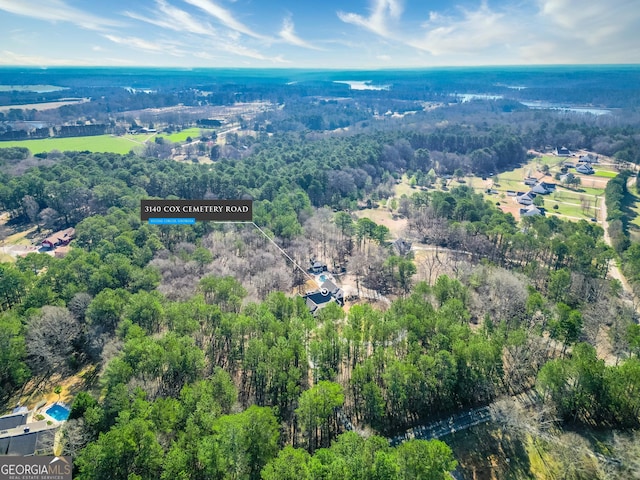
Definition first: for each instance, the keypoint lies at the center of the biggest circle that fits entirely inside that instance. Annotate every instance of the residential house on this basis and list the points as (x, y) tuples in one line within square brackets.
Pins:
[(335, 291), (550, 187), (585, 169), (525, 199), (566, 177), (531, 211), (563, 152), (588, 158), (317, 300), (328, 292), (530, 181), (317, 267), (63, 237), (17, 437), (540, 189)]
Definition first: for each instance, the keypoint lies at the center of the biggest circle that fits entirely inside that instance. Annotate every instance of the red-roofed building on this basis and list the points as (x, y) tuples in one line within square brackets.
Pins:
[(63, 237)]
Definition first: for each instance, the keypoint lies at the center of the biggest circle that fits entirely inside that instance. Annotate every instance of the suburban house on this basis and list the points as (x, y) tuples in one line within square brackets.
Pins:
[(585, 169), (588, 158), (531, 211), (530, 181), (550, 187), (317, 267), (540, 189), (18, 437), (329, 292), (563, 152), (334, 290), (566, 177), (63, 237), (525, 199)]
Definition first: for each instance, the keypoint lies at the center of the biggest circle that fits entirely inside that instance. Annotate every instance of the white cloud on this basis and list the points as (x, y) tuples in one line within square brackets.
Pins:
[(12, 58), (593, 22), (377, 21), (146, 45), (56, 11), (475, 31), (224, 16), (173, 18), (288, 34)]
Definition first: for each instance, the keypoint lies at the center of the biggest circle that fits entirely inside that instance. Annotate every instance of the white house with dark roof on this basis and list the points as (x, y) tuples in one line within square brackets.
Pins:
[(540, 189), (563, 152), (585, 169), (317, 267), (531, 211), (525, 199)]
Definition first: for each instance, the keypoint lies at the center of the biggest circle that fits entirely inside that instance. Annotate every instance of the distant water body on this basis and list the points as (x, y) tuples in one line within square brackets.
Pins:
[(566, 108), (363, 85)]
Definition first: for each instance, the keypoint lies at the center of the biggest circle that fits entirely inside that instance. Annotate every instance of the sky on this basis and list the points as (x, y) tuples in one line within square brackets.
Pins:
[(356, 34)]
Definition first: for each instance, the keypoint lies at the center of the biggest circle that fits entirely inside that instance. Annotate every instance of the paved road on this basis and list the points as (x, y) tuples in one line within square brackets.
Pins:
[(452, 424), (614, 270)]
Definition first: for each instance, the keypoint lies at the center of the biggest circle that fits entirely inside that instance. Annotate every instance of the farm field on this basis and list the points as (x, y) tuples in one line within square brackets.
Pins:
[(96, 143), (182, 135), (44, 105)]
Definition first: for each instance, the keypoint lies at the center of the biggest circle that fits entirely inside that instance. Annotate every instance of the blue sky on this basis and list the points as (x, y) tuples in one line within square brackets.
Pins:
[(318, 34)]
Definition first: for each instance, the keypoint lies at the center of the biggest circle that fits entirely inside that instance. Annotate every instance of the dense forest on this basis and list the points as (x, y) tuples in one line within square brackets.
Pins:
[(214, 374), (199, 357)]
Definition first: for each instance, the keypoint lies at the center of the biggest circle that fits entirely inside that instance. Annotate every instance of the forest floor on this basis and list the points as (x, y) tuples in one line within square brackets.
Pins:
[(16, 242), (382, 216)]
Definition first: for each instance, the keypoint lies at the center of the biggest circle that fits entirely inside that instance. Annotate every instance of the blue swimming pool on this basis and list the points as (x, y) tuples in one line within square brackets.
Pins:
[(323, 278), (58, 412)]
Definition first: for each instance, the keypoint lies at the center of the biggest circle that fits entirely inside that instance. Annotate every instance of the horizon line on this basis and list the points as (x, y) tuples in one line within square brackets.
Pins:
[(284, 68)]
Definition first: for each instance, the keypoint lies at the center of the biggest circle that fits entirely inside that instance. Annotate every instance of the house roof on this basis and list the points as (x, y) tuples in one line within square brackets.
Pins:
[(531, 210), (330, 286), (317, 298), (27, 443), (12, 421), (63, 235)]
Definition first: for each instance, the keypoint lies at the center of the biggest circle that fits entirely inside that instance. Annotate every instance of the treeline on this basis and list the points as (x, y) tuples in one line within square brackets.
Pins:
[(585, 390), (485, 152), (614, 196), (461, 219), (62, 131)]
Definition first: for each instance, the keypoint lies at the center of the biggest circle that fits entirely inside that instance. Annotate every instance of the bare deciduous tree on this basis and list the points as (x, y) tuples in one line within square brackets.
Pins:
[(51, 340)]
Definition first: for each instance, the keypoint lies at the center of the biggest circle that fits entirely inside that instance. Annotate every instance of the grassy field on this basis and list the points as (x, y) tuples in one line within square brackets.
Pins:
[(569, 202), (97, 143), (182, 135), (605, 173), (570, 210)]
